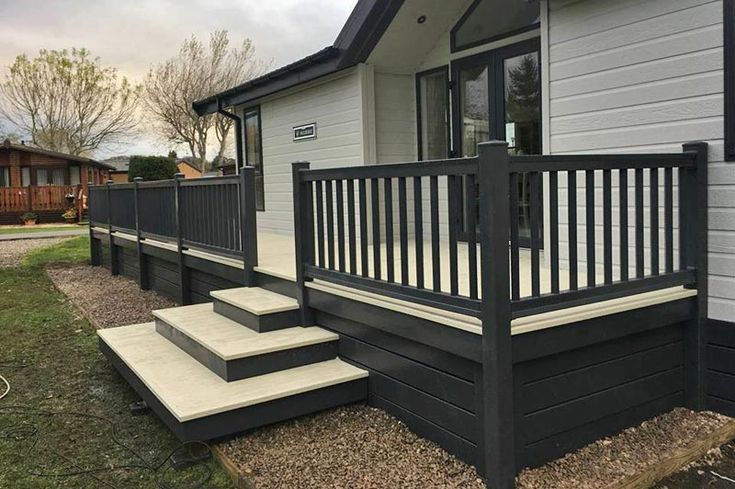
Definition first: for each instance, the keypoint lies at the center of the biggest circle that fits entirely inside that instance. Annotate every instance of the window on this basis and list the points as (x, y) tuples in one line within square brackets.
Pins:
[(432, 88), (4, 177), (75, 177), (25, 176), (41, 176), (254, 153), (487, 20), (729, 12), (57, 176)]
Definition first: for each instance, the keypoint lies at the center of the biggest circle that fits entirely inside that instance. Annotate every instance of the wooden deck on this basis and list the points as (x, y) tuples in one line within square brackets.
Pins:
[(276, 258)]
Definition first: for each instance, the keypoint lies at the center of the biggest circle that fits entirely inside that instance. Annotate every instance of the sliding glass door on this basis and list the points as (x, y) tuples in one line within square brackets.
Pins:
[(498, 96)]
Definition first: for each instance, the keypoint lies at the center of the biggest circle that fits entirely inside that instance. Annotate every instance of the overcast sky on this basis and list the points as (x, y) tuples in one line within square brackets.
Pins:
[(133, 34)]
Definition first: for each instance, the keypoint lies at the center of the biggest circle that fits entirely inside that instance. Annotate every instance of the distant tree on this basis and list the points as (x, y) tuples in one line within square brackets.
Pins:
[(197, 72), (172, 154), (67, 101), (524, 95), (152, 168)]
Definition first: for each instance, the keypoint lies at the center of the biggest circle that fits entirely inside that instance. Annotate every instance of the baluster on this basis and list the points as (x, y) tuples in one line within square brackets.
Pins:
[(572, 216), (554, 231), (418, 213)]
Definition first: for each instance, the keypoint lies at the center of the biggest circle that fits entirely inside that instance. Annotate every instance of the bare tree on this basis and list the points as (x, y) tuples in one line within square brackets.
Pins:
[(67, 101), (197, 72)]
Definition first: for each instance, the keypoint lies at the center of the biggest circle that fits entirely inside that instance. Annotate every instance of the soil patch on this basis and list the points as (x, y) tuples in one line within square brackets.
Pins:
[(11, 252), (105, 299)]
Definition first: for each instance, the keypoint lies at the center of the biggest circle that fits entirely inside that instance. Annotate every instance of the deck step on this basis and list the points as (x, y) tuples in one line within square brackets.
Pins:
[(234, 352), (257, 308), (198, 405)]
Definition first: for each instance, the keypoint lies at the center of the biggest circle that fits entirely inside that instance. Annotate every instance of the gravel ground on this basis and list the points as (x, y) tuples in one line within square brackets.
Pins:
[(105, 299), (362, 447), (356, 447), (606, 461), (11, 252)]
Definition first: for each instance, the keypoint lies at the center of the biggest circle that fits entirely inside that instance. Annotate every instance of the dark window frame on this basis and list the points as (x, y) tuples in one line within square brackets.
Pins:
[(452, 36), (496, 90), (418, 76), (493, 58), (259, 206), (729, 86)]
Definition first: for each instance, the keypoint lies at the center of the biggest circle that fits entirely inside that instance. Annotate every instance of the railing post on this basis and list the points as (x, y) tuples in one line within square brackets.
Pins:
[(498, 438), (142, 271), (94, 249), (303, 236), (114, 265), (693, 228), (184, 296), (248, 225)]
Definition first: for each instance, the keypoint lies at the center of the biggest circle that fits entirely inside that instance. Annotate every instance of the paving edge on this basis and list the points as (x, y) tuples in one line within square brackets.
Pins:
[(677, 460), (239, 479)]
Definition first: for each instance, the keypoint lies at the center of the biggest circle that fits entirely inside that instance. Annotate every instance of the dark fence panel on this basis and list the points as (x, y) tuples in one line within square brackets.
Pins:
[(210, 215), (97, 205), (157, 208), (214, 215), (122, 207)]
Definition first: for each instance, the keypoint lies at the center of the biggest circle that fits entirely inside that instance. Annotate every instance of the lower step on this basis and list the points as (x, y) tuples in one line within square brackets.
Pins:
[(198, 405)]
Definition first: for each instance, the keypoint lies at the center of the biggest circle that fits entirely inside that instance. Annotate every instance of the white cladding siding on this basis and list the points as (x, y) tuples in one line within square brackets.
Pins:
[(395, 118), (336, 107), (632, 76)]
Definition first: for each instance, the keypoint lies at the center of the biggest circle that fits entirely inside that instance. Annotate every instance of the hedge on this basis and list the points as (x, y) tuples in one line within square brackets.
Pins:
[(152, 168)]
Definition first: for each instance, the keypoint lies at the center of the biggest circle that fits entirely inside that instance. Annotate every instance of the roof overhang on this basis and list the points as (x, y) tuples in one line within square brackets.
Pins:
[(362, 31), (55, 154)]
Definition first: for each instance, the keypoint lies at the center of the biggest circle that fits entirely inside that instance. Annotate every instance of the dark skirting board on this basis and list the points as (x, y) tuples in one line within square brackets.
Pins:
[(720, 367)]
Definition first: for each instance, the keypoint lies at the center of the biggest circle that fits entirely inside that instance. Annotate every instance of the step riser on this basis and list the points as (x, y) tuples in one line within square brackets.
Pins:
[(277, 285), (261, 324), (252, 366), (230, 423)]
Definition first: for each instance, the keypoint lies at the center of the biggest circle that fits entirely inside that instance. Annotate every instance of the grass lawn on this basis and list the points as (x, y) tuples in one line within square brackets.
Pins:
[(36, 229), (49, 355)]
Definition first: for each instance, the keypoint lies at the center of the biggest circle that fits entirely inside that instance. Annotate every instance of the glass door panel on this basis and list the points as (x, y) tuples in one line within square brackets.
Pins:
[(522, 101), (433, 107), (500, 98), (474, 109)]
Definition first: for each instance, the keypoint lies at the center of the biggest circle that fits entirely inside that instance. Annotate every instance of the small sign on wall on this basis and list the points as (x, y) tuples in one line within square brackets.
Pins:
[(304, 132)]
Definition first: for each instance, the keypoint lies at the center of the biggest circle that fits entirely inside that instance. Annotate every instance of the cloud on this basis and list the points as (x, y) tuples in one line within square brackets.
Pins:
[(131, 35)]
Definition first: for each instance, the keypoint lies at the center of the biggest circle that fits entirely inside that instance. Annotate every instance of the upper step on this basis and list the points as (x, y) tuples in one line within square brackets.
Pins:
[(259, 309), (234, 352), (188, 391)]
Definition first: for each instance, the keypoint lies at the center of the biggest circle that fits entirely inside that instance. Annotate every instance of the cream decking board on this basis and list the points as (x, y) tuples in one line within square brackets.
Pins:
[(256, 300), (190, 391), (230, 340), (276, 256), (518, 326)]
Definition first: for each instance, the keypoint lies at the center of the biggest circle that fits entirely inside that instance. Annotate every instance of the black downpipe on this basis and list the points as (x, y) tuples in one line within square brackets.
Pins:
[(238, 134)]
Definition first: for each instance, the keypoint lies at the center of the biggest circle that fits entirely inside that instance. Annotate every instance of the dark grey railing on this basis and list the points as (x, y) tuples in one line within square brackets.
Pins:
[(215, 215), (349, 220), (607, 255), (402, 230)]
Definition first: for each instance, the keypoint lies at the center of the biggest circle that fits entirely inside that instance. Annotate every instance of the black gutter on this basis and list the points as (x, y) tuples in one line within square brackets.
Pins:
[(238, 134)]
